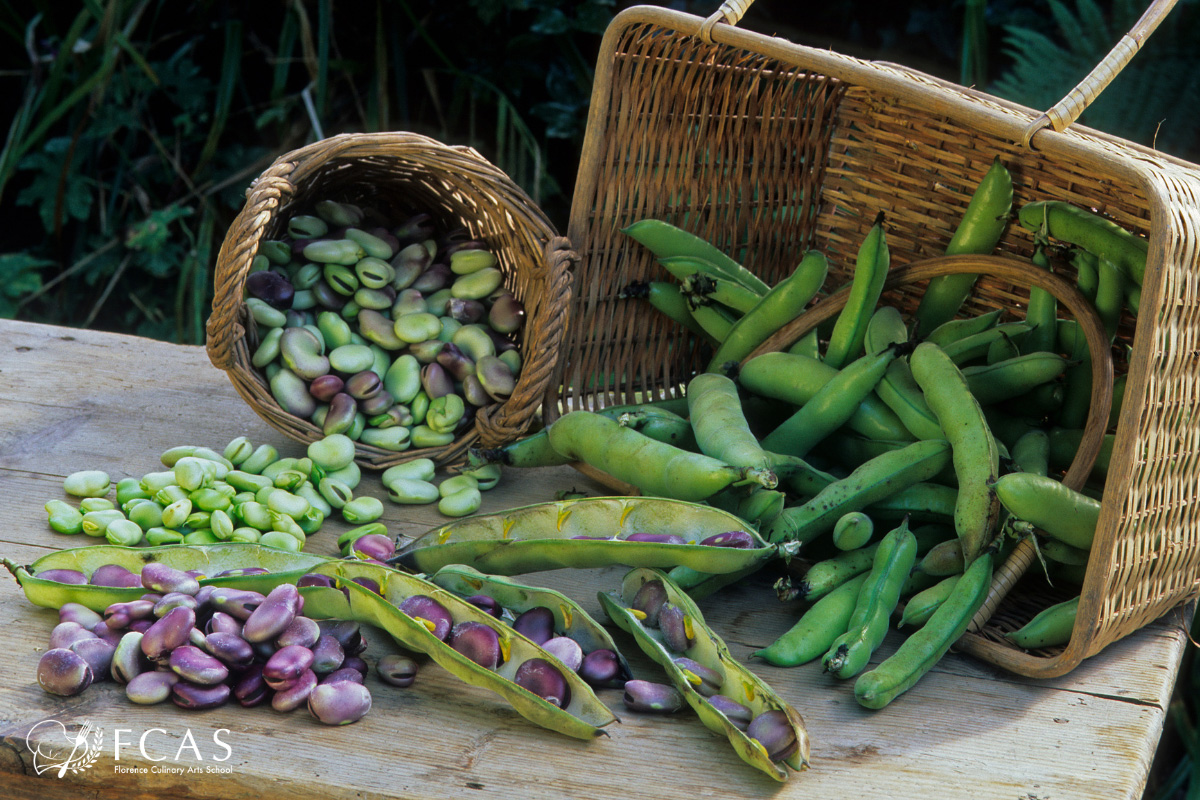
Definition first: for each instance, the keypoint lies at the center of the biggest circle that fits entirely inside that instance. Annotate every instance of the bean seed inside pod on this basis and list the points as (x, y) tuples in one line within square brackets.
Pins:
[(478, 642), (432, 613), (488, 604), (660, 538), (734, 711), (704, 680), (72, 576), (536, 623), (654, 698), (601, 668), (158, 577), (676, 628), (649, 600), (115, 575), (774, 732), (735, 539), (543, 679)]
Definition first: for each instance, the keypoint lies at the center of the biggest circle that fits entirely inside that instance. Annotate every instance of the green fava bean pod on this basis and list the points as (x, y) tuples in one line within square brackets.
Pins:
[(818, 627), (1051, 627), (1058, 510), (583, 715), (919, 652), (976, 457), (720, 425), (877, 599), (656, 468), (920, 607), (666, 240), (709, 650), (780, 305), (585, 533), (870, 271), (1098, 235), (661, 426), (570, 618)]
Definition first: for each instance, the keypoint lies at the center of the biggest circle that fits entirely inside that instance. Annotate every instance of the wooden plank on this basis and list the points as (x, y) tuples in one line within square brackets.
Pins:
[(967, 729)]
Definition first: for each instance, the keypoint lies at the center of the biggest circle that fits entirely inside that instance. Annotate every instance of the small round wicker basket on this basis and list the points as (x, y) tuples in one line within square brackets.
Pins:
[(401, 174)]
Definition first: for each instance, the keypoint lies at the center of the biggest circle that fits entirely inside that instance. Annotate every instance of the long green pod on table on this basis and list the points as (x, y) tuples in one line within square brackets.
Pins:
[(975, 455), (1050, 627), (535, 449), (820, 624), (877, 599), (920, 607), (655, 468), (831, 407), (668, 299), (870, 271), (719, 423), (582, 715), (666, 240), (826, 575), (585, 533), (980, 229), (570, 618), (871, 483), (779, 306), (1094, 233), (710, 651), (1058, 510), (283, 566), (925, 647), (1012, 377)]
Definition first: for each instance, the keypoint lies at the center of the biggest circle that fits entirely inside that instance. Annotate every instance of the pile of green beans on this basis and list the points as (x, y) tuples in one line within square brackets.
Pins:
[(391, 335)]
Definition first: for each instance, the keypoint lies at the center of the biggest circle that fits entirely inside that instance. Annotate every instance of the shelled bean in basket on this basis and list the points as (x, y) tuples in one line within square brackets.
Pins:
[(392, 334)]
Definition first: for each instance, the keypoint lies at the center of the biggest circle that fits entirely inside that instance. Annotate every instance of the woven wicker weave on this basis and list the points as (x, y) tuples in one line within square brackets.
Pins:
[(768, 149), (401, 174)]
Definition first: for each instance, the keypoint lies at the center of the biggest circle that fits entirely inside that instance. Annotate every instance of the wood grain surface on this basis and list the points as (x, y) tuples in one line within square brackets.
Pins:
[(73, 400)]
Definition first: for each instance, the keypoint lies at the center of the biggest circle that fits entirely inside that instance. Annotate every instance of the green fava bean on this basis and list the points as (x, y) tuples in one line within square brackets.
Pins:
[(351, 358), (123, 532), (362, 509), (95, 523), (585, 533), (332, 452), (265, 315), (461, 503), (419, 407), (709, 650), (90, 504), (920, 607), (350, 475), (334, 492), (377, 249), (486, 476), (457, 484), (238, 450), (64, 518), (268, 349), (349, 537), (410, 491), (176, 514), (344, 252), (262, 457), (444, 413), (403, 378), (334, 329), (157, 537), (424, 436), (397, 438), (147, 514), (130, 489), (246, 535), (280, 541), (420, 469), (477, 285), (197, 520), (87, 483)]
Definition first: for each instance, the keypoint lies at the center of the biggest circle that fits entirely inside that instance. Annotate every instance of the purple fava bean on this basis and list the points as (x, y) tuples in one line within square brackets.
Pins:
[(287, 665), (120, 615), (339, 703), (205, 594), (375, 545), (649, 600), (652, 698), (736, 539), (66, 634), (193, 664), (230, 648), (432, 613), (436, 381), (507, 314), (115, 575), (676, 628), (158, 577), (77, 612), (369, 584), (593, 538), (198, 698), (97, 653), (274, 615), (250, 689), (315, 579), (168, 633), (774, 732), (63, 672), (148, 688), (343, 674), (465, 311), (272, 288), (239, 572), (478, 642), (153, 597), (566, 650), (602, 668), (107, 634), (239, 603), (174, 600), (707, 681), (296, 694), (140, 625), (734, 711), (348, 634), (128, 659), (659, 538), (435, 277), (536, 623), (325, 387), (303, 631), (328, 654), (486, 603), (357, 664), (543, 679), (71, 576), (220, 622), (397, 670)]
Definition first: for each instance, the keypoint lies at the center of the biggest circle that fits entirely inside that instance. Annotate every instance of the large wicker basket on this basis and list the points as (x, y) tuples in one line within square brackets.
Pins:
[(768, 149), (400, 174)]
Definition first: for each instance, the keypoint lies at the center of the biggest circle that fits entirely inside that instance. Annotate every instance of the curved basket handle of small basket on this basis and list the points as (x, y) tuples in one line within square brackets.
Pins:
[(1018, 273), (1067, 110)]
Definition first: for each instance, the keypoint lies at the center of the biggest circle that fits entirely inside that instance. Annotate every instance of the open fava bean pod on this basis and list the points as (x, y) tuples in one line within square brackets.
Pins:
[(282, 567), (582, 715), (706, 648), (570, 619), (586, 533)]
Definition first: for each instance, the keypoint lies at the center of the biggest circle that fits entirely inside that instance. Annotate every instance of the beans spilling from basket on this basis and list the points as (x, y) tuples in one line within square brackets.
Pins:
[(201, 647), (391, 335), (958, 426)]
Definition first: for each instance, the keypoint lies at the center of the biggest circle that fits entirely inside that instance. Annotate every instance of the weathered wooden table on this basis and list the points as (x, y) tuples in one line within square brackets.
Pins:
[(73, 400)]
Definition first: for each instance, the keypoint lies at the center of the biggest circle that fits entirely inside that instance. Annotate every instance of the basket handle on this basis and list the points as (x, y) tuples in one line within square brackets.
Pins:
[(731, 11), (1067, 110)]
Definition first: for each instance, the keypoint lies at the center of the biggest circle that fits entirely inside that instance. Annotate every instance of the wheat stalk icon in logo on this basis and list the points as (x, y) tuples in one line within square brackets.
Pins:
[(83, 752)]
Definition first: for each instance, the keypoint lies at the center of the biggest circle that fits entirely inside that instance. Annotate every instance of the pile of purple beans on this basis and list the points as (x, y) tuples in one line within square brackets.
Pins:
[(201, 647)]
